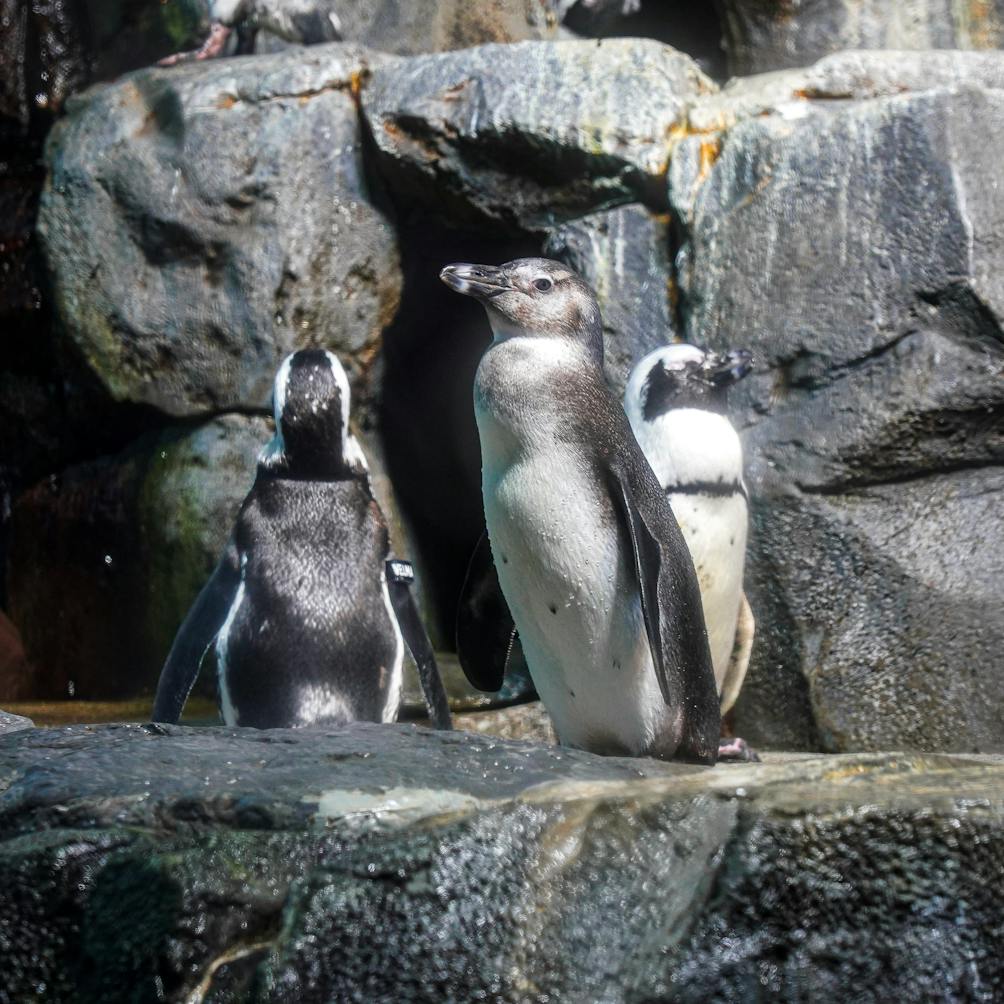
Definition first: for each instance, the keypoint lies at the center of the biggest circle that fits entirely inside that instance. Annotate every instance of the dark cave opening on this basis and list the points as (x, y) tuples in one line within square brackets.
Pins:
[(431, 353), (694, 28)]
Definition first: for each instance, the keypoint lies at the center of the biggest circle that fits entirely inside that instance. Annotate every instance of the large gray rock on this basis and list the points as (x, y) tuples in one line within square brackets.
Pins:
[(201, 222), (106, 559), (529, 135), (390, 863), (764, 35), (847, 227), (14, 723), (624, 255)]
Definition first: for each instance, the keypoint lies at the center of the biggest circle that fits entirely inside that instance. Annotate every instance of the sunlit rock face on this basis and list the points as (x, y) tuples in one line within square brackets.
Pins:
[(522, 137), (761, 35), (388, 863), (844, 222), (201, 222)]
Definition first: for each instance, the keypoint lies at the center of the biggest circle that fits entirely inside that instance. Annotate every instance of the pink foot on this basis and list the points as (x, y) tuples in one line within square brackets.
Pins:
[(211, 48), (737, 751)]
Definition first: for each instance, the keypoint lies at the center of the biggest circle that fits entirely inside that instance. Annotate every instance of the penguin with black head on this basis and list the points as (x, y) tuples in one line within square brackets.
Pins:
[(306, 609), (677, 403), (590, 559)]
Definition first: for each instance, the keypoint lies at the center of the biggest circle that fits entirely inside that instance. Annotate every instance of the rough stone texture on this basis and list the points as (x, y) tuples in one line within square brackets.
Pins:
[(764, 35), (584, 130), (106, 559), (201, 222), (14, 723), (529, 722), (391, 863), (845, 224), (624, 255)]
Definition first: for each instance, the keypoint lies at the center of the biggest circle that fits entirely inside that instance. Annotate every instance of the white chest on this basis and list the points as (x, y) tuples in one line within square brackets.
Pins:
[(572, 592)]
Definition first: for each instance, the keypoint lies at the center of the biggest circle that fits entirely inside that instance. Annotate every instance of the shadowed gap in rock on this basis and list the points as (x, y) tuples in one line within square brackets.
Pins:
[(693, 28), (431, 353)]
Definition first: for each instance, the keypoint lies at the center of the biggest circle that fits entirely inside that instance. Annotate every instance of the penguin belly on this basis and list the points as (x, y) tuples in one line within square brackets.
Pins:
[(714, 528), (571, 588)]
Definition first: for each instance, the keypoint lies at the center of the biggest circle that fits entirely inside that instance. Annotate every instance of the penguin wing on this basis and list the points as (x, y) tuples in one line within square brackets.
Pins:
[(196, 634), (670, 603), (740, 659), (400, 575), (487, 643)]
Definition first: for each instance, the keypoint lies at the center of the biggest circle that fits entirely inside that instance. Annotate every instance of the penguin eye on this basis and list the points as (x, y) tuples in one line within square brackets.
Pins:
[(542, 284)]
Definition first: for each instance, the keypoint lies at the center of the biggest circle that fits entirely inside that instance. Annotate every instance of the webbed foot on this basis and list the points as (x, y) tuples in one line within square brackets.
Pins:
[(736, 750)]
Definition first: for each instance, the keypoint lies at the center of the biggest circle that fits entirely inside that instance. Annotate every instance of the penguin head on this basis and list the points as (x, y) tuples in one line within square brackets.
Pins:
[(532, 298), (310, 400), (684, 376)]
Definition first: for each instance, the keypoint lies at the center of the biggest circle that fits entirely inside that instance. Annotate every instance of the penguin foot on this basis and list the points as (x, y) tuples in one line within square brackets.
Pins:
[(211, 48), (737, 750)]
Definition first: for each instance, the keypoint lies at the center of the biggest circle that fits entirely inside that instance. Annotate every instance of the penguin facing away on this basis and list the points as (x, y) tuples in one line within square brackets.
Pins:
[(305, 609), (589, 556), (676, 403)]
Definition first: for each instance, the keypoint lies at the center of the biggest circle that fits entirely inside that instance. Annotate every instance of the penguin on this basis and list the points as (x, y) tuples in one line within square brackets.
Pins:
[(305, 22), (676, 400), (592, 564), (306, 608)]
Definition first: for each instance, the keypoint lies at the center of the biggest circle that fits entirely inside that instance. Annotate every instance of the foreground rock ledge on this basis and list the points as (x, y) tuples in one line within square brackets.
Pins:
[(392, 863)]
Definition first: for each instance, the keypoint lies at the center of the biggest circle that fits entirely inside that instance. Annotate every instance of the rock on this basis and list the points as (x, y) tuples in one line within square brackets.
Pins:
[(15, 673), (761, 35), (585, 130), (624, 255), (14, 723), (386, 863), (877, 412), (529, 722), (106, 559), (201, 222), (463, 697)]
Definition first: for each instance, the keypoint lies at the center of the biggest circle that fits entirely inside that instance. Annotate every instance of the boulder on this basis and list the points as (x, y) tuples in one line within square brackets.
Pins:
[(585, 130), (764, 35), (201, 222), (843, 222), (388, 863), (106, 559), (14, 723), (624, 255)]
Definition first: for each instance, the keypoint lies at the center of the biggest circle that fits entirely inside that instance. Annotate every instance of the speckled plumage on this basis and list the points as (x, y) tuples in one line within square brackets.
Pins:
[(614, 641)]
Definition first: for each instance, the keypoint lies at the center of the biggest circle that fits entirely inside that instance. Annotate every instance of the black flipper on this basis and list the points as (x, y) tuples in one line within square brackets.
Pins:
[(197, 632), (486, 634), (671, 607), (400, 576)]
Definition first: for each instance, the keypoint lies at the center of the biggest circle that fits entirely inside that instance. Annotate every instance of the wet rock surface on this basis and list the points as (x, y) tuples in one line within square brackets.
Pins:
[(14, 723), (387, 863), (232, 197), (876, 418)]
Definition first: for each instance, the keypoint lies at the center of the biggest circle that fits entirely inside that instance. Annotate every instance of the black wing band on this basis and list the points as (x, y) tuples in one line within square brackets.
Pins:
[(400, 576)]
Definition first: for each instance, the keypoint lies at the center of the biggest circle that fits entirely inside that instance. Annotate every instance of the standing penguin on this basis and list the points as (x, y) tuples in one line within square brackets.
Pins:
[(676, 403), (305, 608), (589, 556)]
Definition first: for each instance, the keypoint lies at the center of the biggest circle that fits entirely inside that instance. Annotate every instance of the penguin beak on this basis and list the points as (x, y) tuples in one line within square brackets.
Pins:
[(480, 281), (722, 370)]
